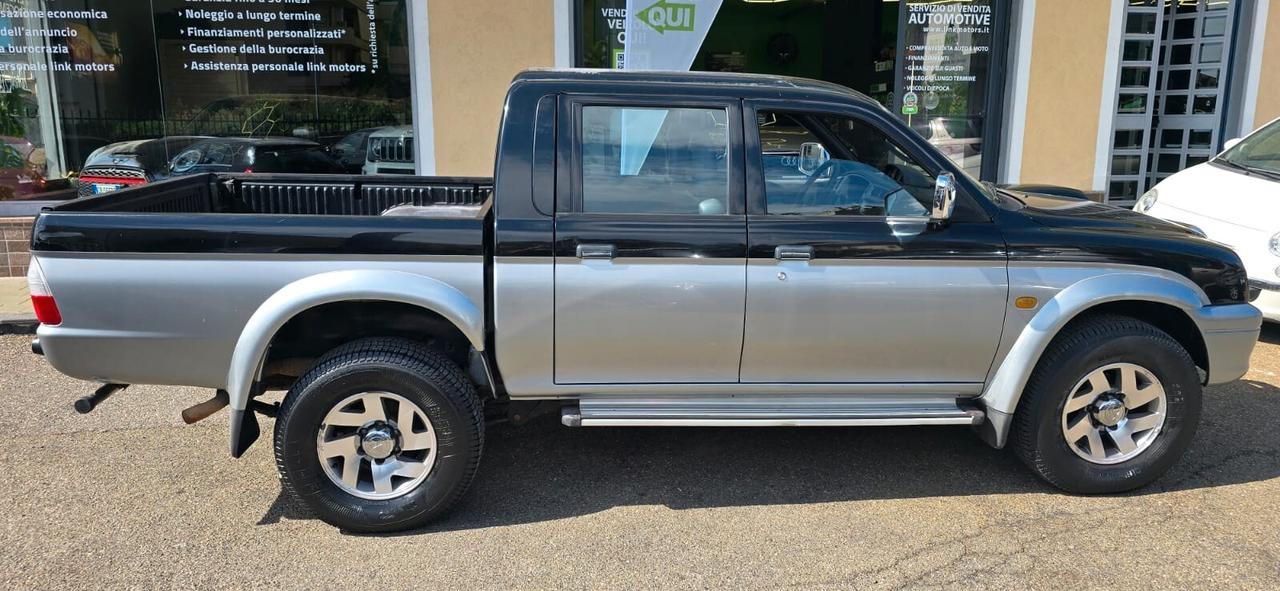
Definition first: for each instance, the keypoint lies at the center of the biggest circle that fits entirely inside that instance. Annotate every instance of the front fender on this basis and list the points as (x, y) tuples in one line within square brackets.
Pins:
[(340, 286), (1004, 389)]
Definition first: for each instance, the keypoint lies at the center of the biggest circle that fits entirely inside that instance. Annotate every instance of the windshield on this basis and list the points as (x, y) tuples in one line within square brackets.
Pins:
[(1259, 152)]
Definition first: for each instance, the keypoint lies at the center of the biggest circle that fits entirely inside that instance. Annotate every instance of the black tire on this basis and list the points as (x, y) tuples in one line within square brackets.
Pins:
[(409, 369), (1086, 345)]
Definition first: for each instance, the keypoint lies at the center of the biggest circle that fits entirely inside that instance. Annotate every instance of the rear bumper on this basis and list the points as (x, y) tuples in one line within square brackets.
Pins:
[(135, 357), (1230, 332)]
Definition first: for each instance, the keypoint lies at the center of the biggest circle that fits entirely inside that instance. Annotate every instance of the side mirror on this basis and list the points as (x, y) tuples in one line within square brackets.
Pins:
[(944, 198), (1231, 143), (812, 156)]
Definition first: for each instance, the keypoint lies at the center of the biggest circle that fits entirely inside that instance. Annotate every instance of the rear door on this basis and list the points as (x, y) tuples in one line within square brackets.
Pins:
[(650, 249), (846, 280)]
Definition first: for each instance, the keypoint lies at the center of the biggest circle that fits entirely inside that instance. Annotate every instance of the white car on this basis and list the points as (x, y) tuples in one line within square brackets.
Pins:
[(1234, 198), (390, 151)]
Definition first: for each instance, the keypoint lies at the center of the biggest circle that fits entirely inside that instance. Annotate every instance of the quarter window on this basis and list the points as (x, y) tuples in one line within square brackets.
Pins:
[(827, 165), (646, 160)]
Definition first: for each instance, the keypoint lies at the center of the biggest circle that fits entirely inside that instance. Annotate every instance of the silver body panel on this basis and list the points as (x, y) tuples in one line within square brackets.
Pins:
[(206, 320), (1064, 290), (861, 320), (523, 305), (177, 319), (648, 320)]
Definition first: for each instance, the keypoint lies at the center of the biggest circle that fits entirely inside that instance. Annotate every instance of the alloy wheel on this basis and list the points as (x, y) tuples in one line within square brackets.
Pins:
[(376, 445), (1114, 413)]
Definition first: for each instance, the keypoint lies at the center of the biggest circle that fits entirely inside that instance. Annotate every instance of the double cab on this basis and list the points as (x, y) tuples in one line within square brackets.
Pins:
[(669, 249)]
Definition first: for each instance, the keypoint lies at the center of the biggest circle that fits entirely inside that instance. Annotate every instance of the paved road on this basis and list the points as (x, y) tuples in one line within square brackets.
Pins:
[(128, 497)]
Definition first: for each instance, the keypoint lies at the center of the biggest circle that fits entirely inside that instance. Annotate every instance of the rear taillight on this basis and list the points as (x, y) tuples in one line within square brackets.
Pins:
[(41, 298)]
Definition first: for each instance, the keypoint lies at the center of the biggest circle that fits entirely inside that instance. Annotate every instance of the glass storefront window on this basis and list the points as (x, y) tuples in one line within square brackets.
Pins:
[(102, 94), (929, 62)]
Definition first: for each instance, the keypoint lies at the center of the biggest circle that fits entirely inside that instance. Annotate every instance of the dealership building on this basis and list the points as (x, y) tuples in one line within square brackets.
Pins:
[(1106, 96)]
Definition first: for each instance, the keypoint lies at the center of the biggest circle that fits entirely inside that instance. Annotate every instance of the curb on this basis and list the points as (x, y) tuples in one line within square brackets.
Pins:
[(18, 326)]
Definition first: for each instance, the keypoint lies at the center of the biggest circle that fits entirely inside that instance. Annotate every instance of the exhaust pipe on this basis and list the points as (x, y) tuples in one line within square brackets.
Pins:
[(204, 410)]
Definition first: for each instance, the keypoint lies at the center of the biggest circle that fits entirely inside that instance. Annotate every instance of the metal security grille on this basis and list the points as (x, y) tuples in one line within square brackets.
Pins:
[(1170, 93)]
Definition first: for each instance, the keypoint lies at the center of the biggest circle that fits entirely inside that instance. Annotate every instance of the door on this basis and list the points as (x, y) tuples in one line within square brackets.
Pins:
[(846, 279), (1171, 93), (650, 249)]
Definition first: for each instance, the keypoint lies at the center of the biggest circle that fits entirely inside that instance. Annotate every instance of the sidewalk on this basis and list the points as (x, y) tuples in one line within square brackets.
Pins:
[(16, 316)]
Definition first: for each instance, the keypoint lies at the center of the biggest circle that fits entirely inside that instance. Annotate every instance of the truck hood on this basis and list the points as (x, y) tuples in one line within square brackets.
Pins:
[(1053, 228), (1064, 212)]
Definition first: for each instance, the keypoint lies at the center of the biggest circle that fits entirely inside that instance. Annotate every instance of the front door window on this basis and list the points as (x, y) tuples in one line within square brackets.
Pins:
[(861, 173)]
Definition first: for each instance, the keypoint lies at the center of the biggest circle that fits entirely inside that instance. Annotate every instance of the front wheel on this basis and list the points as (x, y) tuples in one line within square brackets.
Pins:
[(1111, 405), (381, 435)]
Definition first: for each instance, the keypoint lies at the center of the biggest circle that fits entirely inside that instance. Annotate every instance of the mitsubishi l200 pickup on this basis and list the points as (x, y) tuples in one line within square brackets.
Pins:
[(669, 249)]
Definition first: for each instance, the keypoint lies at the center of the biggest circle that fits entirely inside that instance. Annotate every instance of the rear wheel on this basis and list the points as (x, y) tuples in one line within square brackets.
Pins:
[(1111, 405), (381, 435)]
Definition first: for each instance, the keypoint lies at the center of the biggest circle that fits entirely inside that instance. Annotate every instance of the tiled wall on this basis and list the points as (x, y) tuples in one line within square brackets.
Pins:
[(15, 247)]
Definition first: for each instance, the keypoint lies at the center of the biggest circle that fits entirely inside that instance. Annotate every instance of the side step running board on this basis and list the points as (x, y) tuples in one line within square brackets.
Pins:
[(779, 411)]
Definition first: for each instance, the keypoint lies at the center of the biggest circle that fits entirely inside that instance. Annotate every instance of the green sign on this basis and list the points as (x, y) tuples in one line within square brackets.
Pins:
[(665, 16), (910, 103)]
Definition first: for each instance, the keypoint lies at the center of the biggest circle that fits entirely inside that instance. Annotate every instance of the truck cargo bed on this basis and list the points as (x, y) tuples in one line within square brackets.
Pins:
[(275, 213)]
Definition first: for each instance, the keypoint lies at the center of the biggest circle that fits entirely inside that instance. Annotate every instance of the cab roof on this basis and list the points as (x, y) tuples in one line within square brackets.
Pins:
[(746, 85)]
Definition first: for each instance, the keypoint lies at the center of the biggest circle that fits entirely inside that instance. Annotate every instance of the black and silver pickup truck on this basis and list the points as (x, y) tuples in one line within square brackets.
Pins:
[(654, 249)]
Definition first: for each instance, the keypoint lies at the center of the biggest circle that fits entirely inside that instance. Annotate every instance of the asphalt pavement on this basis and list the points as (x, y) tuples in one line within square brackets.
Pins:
[(129, 497)]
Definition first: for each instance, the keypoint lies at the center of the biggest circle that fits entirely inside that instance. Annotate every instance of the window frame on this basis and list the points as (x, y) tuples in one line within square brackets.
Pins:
[(911, 144), (569, 184)]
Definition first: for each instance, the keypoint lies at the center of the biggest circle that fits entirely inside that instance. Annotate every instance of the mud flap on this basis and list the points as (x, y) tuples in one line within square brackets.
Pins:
[(244, 431)]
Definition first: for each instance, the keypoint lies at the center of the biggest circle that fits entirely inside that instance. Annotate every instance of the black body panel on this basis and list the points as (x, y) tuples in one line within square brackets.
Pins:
[(1043, 228), (280, 214), (534, 180), (246, 234)]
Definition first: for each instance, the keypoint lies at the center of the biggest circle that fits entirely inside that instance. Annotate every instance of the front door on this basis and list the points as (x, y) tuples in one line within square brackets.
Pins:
[(650, 249), (846, 280)]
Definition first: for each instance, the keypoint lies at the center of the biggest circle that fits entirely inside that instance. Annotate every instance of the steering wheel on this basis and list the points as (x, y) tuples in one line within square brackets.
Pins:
[(808, 183)]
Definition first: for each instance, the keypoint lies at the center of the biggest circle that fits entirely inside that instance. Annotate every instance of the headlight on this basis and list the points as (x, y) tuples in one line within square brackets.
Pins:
[(1275, 244), (1146, 201)]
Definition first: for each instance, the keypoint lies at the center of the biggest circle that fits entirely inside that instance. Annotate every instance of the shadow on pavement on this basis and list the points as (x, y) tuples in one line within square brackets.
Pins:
[(542, 471), (1270, 333)]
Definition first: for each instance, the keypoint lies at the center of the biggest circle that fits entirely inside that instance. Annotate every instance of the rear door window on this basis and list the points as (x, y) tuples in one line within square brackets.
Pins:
[(655, 160)]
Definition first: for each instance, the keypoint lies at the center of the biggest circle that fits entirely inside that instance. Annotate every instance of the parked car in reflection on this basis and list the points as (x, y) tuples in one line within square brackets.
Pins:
[(351, 152), (270, 154), (959, 138), (390, 151), (125, 164), (1234, 198)]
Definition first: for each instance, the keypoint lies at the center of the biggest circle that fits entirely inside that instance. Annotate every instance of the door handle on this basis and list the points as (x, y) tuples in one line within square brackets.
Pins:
[(793, 253), (596, 251)]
